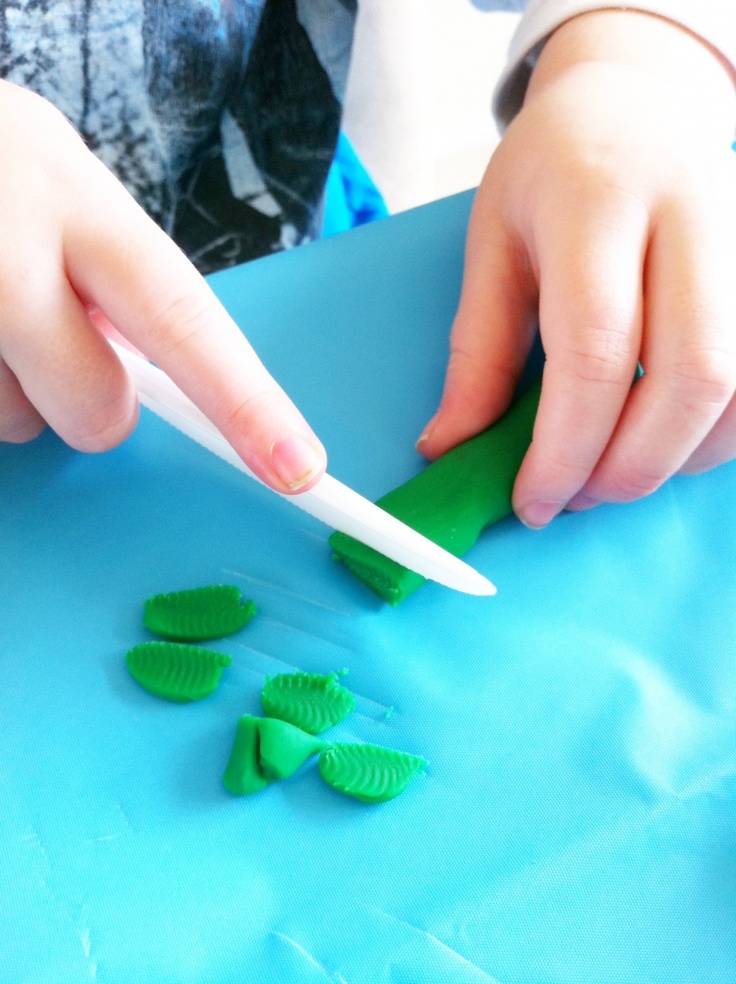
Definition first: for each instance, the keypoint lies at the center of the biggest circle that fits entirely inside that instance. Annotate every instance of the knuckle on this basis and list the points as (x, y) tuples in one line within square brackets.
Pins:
[(182, 316), (605, 358), (258, 405), (705, 383), (20, 421), (595, 367), (21, 428), (564, 462), (473, 382), (107, 427), (635, 484)]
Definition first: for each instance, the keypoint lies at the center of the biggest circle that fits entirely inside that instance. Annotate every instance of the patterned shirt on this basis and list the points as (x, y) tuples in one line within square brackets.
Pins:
[(219, 116)]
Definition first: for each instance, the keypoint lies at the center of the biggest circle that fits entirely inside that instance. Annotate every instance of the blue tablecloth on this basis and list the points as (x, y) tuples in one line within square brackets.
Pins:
[(577, 822)]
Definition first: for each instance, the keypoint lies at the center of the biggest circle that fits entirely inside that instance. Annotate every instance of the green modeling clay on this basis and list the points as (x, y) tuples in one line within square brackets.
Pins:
[(176, 671), (369, 773), (266, 749), (284, 748), (243, 774), (451, 501), (309, 701), (198, 613)]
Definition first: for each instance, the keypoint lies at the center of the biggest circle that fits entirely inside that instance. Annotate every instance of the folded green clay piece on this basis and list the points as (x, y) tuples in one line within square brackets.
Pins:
[(243, 774), (284, 748), (369, 773), (176, 671), (198, 613), (309, 701), (451, 501)]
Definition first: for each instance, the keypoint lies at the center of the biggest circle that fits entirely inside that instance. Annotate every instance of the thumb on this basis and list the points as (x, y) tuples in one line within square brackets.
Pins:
[(491, 334)]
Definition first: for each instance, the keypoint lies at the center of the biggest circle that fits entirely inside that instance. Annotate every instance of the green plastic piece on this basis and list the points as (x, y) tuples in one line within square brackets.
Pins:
[(284, 748), (451, 501), (176, 671), (369, 773), (309, 701), (198, 613), (243, 774)]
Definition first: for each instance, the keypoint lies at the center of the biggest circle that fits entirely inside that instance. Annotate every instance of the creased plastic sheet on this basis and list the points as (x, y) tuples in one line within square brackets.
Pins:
[(577, 822)]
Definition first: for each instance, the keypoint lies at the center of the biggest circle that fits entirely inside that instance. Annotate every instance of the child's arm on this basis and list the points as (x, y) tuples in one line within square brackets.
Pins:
[(608, 212), (73, 240)]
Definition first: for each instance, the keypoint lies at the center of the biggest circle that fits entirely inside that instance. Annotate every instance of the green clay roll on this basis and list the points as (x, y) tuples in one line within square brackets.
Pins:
[(451, 501)]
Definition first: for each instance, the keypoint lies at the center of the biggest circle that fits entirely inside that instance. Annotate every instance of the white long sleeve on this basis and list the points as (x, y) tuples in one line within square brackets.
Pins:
[(712, 20)]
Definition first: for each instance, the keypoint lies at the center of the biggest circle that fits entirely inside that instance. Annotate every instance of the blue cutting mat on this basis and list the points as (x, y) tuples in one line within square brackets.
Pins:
[(577, 822)]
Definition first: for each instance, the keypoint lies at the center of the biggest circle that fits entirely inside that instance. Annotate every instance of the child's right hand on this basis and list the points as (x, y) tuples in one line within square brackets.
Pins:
[(72, 240)]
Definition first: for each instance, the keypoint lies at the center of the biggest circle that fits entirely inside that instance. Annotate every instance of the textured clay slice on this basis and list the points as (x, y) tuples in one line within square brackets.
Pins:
[(243, 774), (283, 748), (451, 501), (198, 613), (369, 773), (176, 671), (309, 701)]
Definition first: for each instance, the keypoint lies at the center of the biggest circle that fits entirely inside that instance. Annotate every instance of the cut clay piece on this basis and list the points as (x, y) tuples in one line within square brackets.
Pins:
[(309, 701), (243, 773), (266, 749), (369, 773), (284, 748), (198, 613), (451, 501), (176, 671)]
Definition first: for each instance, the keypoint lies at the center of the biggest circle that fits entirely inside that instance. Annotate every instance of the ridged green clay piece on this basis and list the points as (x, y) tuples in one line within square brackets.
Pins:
[(451, 501), (284, 748), (197, 614), (176, 671), (242, 774), (369, 773), (310, 701)]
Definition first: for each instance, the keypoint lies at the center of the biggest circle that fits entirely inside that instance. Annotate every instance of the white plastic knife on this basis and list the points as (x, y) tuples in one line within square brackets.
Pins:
[(330, 501)]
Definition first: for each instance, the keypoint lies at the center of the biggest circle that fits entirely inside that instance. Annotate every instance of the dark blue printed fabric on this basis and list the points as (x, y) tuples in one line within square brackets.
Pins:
[(219, 116)]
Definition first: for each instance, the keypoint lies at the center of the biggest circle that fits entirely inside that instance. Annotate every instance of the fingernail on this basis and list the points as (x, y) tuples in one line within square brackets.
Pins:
[(295, 460), (582, 501), (536, 515), (426, 433)]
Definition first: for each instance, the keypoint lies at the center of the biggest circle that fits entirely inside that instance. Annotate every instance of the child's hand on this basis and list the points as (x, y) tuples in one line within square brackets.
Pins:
[(72, 240), (608, 212)]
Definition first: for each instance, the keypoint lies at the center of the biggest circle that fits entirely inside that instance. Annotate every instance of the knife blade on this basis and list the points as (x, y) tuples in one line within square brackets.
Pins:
[(329, 501)]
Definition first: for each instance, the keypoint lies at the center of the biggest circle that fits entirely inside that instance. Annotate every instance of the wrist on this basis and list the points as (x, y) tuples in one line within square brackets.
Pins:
[(695, 79)]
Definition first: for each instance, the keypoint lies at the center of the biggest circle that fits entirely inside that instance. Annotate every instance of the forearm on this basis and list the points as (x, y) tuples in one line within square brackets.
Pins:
[(712, 22), (699, 81)]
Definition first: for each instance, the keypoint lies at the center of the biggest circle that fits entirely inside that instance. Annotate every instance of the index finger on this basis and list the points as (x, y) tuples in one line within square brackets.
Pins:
[(590, 262), (119, 259)]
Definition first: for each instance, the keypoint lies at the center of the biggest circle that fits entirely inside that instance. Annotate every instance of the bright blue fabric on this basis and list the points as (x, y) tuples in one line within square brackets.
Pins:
[(577, 822), (351, 197)]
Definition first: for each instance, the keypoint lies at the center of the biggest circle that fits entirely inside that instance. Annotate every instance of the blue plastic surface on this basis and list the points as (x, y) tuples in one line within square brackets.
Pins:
[(577, 822)]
